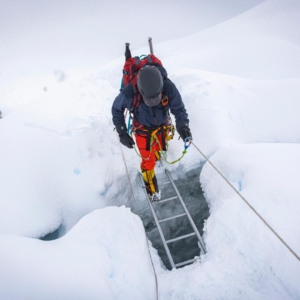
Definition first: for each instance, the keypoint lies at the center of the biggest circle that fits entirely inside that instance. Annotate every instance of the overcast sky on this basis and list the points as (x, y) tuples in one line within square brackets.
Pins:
[(40, 36)]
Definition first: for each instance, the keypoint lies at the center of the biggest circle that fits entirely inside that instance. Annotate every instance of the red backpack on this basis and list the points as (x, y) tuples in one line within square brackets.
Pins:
[(130, 70)]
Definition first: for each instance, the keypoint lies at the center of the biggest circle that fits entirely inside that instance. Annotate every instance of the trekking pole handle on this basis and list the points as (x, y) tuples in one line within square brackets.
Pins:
[(150, 45)]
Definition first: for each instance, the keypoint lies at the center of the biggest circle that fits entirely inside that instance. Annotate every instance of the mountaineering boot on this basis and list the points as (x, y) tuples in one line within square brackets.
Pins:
[(155, 197), (150, 181)]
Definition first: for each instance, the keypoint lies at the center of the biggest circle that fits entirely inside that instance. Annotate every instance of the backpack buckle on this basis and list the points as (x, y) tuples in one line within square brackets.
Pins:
[(165, 101)]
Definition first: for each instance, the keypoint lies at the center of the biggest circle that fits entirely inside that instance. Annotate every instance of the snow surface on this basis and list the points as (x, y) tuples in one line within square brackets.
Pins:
[(84, 264), (62, 169)]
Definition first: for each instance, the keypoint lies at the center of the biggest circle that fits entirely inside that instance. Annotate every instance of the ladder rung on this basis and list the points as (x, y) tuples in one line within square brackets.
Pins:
[(165, 200), (167, 219), (165, 183), (181, 237), (185, 263)]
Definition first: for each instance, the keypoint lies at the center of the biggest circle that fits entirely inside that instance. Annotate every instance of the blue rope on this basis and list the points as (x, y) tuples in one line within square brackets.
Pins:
[(122, 84), (129, 126), (138, 60)]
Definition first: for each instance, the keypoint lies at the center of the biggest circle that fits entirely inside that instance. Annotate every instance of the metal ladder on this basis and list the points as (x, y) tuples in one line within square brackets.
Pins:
[(186, 213)]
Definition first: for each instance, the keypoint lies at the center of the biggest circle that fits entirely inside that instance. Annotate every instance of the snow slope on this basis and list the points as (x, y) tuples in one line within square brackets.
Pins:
[(60, 160), (262, 43), (84, 264), (42, 36)]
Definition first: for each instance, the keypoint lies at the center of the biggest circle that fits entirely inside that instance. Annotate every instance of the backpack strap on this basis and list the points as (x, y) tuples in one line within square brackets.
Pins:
[(136, 97)]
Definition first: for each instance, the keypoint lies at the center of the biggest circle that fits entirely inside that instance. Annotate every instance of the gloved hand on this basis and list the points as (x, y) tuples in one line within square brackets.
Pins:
[(125, 138), (185, 133)]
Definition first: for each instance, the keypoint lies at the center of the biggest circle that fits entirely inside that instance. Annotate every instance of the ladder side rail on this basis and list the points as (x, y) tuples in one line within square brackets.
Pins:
[(187, 213), (159, 228)]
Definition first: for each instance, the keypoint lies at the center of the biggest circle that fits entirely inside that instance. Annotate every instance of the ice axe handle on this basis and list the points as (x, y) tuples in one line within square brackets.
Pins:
[(150, 45), (127, 51)]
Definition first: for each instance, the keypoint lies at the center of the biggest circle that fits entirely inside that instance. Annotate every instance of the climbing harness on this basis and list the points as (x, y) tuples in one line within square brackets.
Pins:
[(252, 208), (138, 213), (167, 131)]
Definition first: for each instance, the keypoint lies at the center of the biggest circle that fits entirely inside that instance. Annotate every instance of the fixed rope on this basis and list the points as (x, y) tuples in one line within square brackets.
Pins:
[(137, 212), (252, 208)]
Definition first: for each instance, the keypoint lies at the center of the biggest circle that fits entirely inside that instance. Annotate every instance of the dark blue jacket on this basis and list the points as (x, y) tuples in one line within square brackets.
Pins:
[(151, 116)]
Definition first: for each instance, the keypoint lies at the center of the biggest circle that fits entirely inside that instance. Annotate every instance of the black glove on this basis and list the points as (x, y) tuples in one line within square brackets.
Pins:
[(125, 138), (185, 133)]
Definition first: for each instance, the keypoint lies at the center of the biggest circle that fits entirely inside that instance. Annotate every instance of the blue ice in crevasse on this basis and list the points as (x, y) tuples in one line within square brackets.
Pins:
[(240, 185), (77, 171), (104, 192)]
